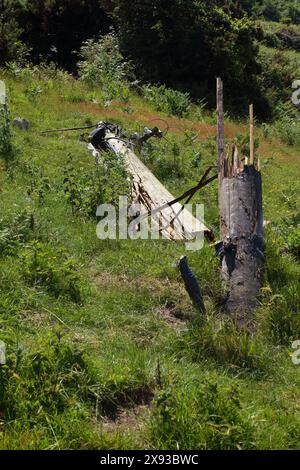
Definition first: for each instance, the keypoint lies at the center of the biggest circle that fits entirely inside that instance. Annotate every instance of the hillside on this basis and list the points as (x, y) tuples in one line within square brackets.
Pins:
[(104, 350)]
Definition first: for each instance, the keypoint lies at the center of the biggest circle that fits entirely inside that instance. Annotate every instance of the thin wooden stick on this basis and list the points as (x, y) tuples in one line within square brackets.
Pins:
[(251, 134), (235, 160), (2, 93), (221, 133), (57, 318)]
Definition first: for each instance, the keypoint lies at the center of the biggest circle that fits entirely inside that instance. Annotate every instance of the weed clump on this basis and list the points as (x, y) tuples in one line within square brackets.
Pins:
[(282, 297), (86, 190), (218, 339), (53, 270), (15, 232), (7, 150), (42, 395), (199, 415)]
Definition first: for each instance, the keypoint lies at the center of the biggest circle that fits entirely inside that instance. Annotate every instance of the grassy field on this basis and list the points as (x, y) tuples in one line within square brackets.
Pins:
[(104, 350)]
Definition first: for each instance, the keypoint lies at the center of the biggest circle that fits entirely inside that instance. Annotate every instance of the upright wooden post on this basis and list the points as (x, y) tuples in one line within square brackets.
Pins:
[(241, 226), (2, 93), (221, 132), (251, 134)]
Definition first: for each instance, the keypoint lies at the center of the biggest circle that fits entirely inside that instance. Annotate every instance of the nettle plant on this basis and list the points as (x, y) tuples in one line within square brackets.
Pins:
[(39, 184), (15, 232), (53, 270), (87, 189), (6, 145)]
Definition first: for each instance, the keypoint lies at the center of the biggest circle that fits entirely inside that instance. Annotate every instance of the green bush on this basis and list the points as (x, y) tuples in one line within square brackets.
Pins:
[(44, 395), (103, 64), (167, 100), (33, 74), (33, 92), (46, 378), (288, 130), (11, 47), (163, 166), (199, 415), (278, 73), (293, 241), (290, 38)]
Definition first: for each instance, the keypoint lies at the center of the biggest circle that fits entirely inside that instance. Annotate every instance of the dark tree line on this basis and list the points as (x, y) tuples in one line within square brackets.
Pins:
[(184, 44), (52, 29), (187, 43)]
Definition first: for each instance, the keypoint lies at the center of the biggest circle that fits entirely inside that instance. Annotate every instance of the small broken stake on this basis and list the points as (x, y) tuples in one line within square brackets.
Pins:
[(191, 284)]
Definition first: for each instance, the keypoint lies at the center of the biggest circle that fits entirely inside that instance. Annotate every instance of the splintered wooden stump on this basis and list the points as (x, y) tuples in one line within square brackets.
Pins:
[(241, 221), (240, 201)]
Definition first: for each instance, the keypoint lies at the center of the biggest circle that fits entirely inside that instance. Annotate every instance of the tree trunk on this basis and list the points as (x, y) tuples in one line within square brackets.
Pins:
[(241, 224), (240, 201)]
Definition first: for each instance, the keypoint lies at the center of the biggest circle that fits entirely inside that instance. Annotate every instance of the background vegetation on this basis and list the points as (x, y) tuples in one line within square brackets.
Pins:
[(188, 43)]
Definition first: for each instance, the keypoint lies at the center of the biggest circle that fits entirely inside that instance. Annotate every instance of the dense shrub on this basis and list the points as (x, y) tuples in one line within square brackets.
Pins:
[(278, 74), (167, 100), (287, 11), (46, 378), (102, 60), (45, 26), (11, 46), (185, 46), (283, 300), (103, 64), (289, 38), (218, 339)]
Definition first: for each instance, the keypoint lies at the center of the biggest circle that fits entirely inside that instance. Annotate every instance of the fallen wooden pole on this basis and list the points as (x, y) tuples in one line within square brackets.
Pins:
[(175, 222)]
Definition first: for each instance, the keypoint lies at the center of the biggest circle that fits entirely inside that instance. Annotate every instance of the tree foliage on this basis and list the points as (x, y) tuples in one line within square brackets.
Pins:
[(11, 46), (55, 29), (186, 44), (181, 44)]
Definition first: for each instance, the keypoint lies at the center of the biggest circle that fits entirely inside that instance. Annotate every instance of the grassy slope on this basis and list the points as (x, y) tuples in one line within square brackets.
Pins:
[(135, 311)]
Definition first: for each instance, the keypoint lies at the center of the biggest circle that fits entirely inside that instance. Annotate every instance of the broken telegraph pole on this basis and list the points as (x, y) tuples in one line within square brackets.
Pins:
[(241, 223)]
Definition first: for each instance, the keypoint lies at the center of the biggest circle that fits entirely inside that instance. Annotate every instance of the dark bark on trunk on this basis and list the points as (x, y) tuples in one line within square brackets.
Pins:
[(240, 201), (241, 224)]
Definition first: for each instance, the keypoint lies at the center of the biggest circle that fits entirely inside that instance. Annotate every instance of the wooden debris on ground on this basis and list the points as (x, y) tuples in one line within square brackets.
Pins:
[(173, 222)]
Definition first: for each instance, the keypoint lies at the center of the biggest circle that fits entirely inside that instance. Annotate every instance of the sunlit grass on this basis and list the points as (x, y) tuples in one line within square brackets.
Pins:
[(133, 335)]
